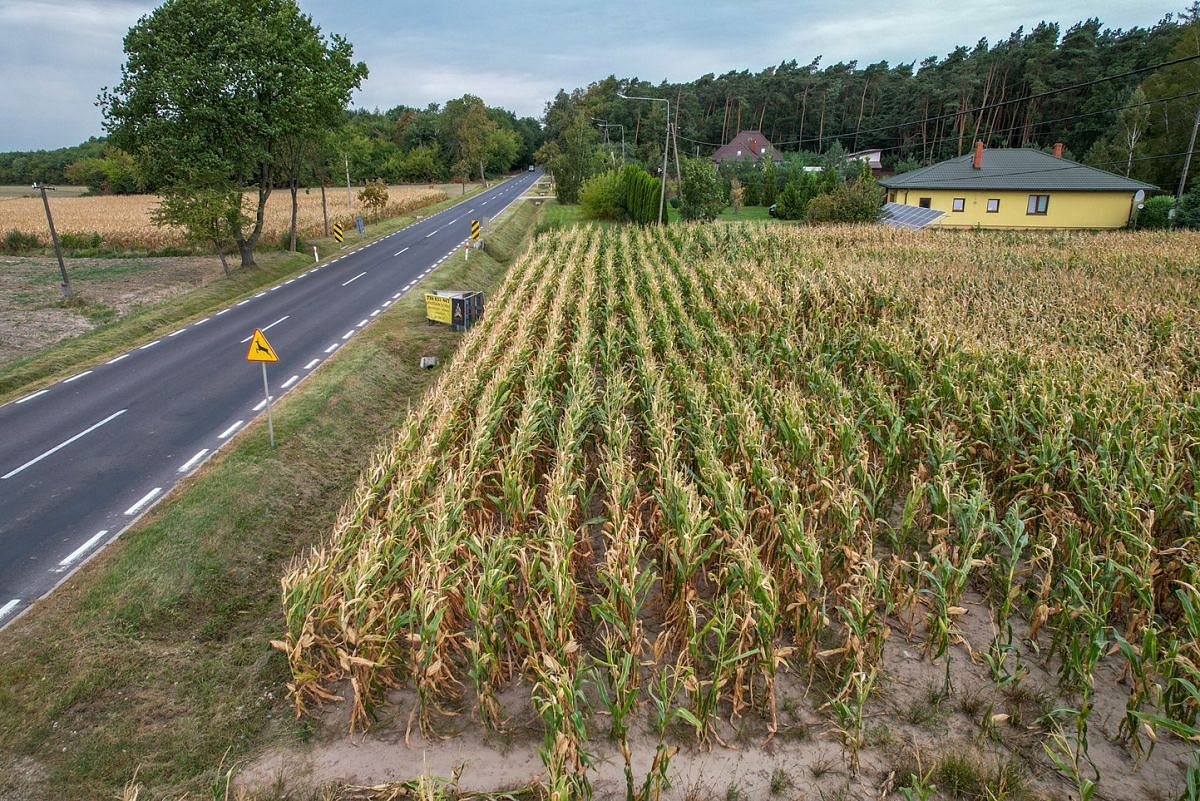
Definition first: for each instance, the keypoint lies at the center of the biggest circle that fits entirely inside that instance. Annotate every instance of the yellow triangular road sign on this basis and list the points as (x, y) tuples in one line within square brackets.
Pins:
[(260, 349)]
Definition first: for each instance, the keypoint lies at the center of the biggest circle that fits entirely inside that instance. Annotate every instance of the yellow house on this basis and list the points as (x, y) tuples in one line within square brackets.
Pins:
[(1018, 188)]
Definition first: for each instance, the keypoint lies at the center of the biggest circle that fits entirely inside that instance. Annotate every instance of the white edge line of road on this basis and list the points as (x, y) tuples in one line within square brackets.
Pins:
[(145, 499), (30, 396), (227, 432), (80, 551), (190, 463), (8, 607)]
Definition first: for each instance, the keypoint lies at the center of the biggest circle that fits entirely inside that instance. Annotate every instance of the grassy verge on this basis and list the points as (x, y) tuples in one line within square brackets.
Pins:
[(747, 214), (111, 338), (154, 658)]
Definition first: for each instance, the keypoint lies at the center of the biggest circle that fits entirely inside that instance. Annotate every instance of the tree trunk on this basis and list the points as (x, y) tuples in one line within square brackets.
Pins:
[(294, 186), (221, 254), (246, 244)]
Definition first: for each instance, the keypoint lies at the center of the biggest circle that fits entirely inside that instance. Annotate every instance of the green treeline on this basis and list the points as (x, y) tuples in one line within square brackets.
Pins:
[(924, 112), (400, 145)]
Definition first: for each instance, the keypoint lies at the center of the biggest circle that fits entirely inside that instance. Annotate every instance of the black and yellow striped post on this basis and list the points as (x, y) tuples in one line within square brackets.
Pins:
[(337, 233), (475, 229)]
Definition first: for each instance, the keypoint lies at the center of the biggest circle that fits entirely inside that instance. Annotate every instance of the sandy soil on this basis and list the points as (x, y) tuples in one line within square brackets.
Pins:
[(906, 727), (33, 315)]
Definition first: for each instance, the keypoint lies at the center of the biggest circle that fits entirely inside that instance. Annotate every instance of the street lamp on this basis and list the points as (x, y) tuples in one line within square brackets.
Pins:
[(605, 124), (662, 192), (66, 284)]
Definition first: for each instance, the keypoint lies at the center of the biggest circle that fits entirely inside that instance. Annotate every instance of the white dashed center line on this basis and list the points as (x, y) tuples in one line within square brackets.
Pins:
[(269, 327), (64, 444), (355, 278)]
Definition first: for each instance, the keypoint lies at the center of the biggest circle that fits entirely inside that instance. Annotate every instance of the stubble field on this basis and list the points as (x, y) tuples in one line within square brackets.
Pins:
[(874, 510), (124, 221)]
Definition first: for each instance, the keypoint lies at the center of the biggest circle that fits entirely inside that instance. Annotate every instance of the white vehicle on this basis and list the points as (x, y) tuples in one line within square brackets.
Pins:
[(531, 168)]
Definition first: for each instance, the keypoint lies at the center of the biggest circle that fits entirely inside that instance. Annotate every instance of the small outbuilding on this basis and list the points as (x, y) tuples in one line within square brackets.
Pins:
[(748, 146), (1018, 188)]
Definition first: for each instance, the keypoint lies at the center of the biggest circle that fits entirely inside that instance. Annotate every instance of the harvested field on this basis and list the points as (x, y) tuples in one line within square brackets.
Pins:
[(927, 502), (124, 221)]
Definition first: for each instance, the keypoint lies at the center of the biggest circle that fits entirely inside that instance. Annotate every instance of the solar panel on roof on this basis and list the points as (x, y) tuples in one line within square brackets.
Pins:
[(898, 215)]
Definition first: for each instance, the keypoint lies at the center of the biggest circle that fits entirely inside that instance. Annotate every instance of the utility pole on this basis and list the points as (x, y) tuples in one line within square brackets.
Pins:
[(662, 194), (1187, 159), (324, 207), (662, 191), (66, 284), (349, 197)]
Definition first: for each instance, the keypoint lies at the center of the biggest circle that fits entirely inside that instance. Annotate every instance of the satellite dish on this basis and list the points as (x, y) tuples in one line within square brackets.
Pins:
[(1139, 196)]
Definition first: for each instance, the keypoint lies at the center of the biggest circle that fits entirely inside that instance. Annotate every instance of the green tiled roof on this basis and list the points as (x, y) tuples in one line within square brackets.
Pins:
[(1014, 168)]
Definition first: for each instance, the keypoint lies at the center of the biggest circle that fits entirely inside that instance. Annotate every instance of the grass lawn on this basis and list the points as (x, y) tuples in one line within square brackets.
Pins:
[(155, 657), (748, 213)]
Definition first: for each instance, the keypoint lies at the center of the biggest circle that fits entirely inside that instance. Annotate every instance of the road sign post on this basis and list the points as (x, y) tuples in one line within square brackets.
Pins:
[(267, 394), (261, 351), (338, 234)]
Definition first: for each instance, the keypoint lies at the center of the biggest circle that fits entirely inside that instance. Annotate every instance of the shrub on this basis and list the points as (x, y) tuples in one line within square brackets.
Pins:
[(1156, 215), (639, 193), (702, 194), (856, 201), (20, 242), (600, 198), (1188, 213), (73, 241)]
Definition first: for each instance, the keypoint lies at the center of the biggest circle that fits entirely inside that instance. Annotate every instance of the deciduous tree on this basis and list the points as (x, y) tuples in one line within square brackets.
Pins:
[(211, 87)]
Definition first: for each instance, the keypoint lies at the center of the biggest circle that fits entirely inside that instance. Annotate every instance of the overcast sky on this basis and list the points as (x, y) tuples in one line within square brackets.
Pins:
[(55, 55)]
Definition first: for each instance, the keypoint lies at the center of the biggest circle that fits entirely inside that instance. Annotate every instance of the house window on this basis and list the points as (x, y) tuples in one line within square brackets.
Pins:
[(958, 204), (1038, 204), (993, 205), (924, 202), (891, 197)]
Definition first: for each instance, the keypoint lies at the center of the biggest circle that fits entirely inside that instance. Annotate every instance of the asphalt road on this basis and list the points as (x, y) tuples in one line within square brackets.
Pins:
[(83, 459)]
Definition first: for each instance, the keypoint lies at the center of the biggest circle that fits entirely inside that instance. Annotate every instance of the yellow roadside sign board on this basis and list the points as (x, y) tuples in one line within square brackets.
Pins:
[(260, 349), (474, 229), (439, 308)]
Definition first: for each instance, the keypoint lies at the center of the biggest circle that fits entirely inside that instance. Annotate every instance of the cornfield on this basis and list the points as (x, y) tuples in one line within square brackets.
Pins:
[(125, 220), (672, 464)]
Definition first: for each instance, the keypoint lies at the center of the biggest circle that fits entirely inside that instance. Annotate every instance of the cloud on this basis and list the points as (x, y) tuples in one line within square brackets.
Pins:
[(55, 55)]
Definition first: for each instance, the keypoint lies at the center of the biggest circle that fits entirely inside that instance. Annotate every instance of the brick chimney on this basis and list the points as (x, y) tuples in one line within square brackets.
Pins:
[(1058, 150), (977, 162)]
